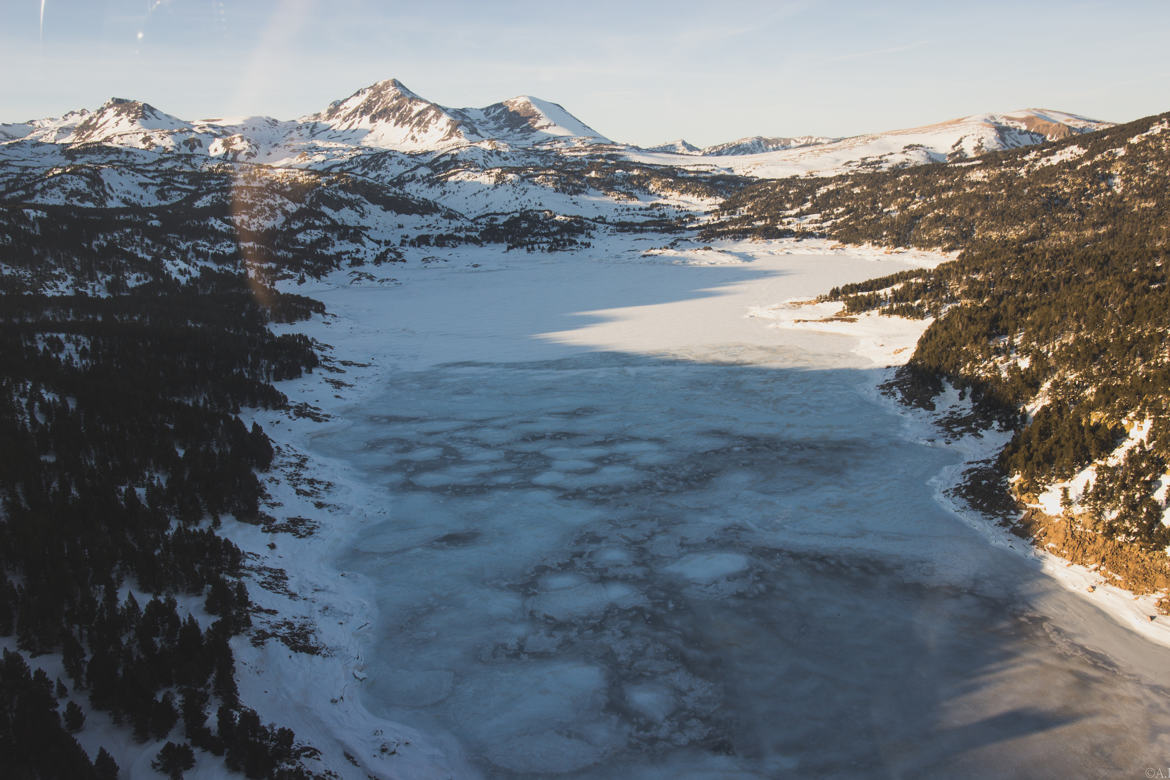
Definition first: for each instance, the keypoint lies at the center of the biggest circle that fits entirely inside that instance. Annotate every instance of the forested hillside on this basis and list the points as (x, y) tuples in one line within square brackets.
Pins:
[(122, 449), (1055, 317)]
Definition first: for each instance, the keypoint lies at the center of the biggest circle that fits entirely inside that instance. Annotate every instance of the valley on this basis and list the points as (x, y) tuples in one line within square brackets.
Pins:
[(600, 520), (484, 445)]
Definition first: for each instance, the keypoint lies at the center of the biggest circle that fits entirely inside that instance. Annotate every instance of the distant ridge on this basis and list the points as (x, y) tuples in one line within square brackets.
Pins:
[(388, 116), (948, 141)]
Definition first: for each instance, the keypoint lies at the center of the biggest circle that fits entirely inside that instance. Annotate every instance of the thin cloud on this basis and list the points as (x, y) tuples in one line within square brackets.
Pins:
[(715, 33), (873, 53)]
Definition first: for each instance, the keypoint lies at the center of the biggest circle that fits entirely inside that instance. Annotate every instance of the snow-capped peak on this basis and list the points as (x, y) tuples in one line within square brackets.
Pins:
[(550, 118), (1053, 125), (119, 117), (375, 103), (54, 131), (758, 144), (525, 120), (387, 114), (678, 146)]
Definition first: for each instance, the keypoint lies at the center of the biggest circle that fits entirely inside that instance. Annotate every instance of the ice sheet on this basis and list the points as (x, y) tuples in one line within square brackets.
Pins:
[(606, 523)]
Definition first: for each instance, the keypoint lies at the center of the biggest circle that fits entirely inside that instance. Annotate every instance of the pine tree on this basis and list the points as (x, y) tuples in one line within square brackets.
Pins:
[(173, 760), (74, 717), (105, 766)]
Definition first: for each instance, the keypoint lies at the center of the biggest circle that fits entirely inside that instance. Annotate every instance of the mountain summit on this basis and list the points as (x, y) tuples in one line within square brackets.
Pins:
[(389, 115), (122, 122)]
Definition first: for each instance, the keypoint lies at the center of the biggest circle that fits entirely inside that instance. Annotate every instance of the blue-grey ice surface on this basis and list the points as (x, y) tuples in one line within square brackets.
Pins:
[(606, 563)]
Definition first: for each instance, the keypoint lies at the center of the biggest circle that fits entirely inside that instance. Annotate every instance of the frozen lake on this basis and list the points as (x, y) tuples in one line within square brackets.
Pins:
[(616, 527)]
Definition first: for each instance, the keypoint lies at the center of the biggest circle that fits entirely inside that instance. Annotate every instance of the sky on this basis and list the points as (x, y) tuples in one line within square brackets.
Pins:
[(640, 72)]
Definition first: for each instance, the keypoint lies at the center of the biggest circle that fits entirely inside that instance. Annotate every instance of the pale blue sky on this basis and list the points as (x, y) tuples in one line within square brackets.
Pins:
[(640, 72)]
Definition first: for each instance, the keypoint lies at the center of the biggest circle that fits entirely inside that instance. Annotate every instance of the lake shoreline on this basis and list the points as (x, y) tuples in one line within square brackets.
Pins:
[(341, 605)]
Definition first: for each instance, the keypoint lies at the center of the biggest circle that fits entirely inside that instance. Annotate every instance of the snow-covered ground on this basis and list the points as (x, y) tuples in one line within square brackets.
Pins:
[(965, 137), (638, 511)]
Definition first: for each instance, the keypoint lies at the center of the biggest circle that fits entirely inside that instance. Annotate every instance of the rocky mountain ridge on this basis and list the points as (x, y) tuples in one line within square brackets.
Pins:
[(389, 117)]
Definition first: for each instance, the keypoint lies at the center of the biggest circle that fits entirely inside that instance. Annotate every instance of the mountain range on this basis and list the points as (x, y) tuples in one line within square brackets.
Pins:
[(383, 167), (387, 116)]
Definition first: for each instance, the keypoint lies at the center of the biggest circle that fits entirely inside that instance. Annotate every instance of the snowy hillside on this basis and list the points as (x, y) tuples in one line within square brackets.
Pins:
[(957, 139)]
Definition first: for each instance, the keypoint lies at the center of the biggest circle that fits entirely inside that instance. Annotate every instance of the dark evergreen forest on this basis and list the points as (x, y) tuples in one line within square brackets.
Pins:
[(122, 451)]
